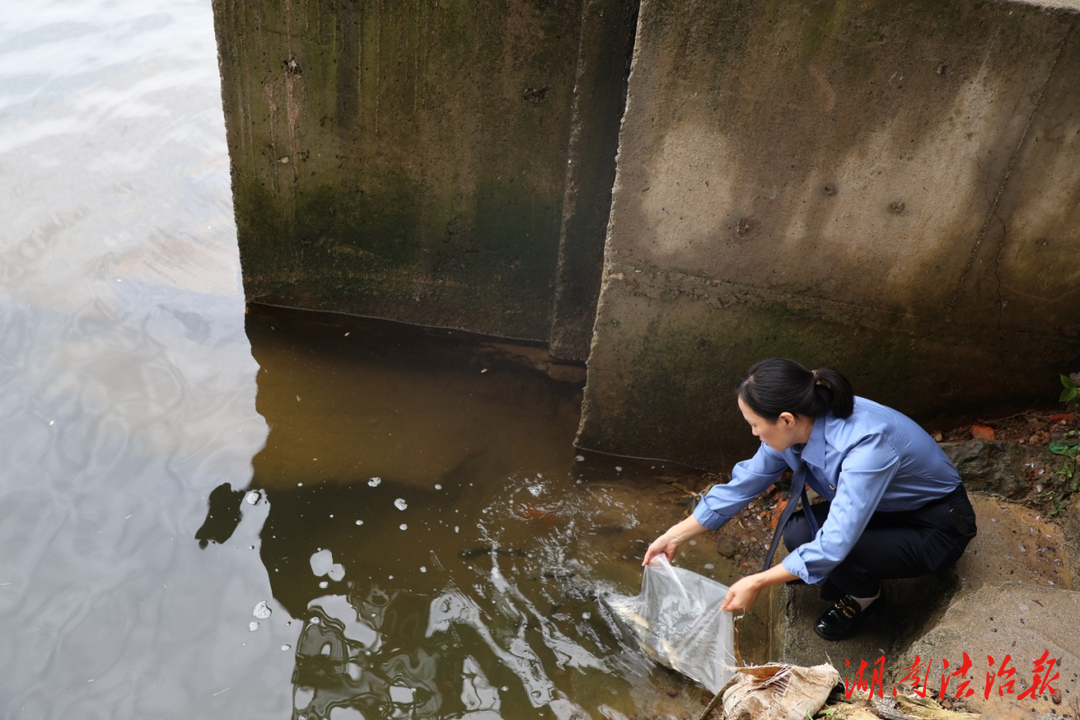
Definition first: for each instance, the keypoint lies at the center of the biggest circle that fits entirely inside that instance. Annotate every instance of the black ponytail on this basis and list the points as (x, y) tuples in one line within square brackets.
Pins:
[(779, 385)]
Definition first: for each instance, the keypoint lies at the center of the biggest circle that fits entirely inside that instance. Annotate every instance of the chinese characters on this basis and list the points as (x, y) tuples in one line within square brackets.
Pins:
[(999, 677)]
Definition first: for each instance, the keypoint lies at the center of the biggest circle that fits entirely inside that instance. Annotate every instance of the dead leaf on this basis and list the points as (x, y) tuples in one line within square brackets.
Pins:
[(777, 510), (763, 672)]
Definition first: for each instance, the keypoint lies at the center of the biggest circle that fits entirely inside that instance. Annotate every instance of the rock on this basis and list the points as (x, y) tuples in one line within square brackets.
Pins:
[(995, 467), (907, 706), (1014, 545), (1006, 711), (996, 600), (1021, 621)]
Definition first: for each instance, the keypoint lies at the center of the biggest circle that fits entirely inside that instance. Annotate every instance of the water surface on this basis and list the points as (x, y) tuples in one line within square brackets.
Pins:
[(214, 513)]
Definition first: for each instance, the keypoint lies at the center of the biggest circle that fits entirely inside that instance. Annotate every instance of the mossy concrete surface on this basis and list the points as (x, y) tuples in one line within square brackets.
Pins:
[(409, 160), (886, 187)]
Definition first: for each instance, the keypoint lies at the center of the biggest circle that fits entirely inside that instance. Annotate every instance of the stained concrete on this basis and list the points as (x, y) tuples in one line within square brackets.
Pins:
[(882, 187), (435, 163), (886, 187), (607, 30)]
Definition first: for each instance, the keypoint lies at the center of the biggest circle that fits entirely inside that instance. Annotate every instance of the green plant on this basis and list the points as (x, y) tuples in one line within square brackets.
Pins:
[(1068, 473), (1071, 394), (1067, 445)]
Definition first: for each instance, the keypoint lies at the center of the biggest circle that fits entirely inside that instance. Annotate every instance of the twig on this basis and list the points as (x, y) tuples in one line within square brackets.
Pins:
[(1030, 415)]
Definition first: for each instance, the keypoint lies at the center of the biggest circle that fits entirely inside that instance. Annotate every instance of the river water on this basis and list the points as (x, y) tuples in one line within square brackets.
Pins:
[(215, 513)]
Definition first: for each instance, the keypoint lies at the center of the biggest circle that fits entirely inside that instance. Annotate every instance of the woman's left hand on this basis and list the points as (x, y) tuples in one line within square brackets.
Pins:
[(741, 595)]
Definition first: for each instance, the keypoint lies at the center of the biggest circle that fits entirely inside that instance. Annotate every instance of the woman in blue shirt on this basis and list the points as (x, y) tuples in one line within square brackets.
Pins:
[(894, 504)]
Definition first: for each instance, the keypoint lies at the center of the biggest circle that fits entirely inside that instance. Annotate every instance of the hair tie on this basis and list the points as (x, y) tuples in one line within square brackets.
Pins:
[(817, 381)]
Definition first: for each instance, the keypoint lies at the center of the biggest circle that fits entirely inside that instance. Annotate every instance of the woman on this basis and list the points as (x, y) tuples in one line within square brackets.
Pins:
[(894, 504)]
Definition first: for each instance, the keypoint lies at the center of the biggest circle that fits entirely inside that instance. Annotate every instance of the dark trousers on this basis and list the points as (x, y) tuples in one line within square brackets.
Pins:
[(894, 544)]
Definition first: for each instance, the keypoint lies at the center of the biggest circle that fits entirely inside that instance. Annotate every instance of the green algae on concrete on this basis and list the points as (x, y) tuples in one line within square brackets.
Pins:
[(670, 349), (885, 186), (407, 161), (879, 186)]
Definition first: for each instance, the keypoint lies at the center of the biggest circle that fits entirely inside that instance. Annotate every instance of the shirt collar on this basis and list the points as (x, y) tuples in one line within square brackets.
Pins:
[(814, 450)]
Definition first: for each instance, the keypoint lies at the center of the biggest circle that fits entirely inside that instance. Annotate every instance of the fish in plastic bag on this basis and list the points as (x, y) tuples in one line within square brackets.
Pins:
[(678, 622)]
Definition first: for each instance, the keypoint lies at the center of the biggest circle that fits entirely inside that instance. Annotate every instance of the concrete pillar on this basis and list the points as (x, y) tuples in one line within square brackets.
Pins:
[(607, 32), (408, 160), (887, 187)]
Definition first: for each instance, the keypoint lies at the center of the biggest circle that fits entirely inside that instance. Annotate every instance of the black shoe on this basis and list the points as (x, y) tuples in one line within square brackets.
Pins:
[(844, 618)]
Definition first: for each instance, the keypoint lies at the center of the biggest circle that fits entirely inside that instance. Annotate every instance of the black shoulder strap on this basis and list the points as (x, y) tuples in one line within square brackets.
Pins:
[(798, 493)]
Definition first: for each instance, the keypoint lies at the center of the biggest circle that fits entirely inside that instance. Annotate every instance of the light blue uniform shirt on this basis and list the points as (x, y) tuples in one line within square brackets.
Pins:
[(876, 460)]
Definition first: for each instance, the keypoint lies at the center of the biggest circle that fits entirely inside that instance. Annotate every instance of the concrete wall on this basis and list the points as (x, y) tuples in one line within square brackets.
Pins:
[(421, 161), (887, 187)]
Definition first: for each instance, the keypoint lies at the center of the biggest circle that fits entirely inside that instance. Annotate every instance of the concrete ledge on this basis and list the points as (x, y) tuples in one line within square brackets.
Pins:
[(1009, 594)]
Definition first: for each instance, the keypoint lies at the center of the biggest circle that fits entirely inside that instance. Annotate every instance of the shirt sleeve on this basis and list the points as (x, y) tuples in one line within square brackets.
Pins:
[(865, 472), (749, 479)]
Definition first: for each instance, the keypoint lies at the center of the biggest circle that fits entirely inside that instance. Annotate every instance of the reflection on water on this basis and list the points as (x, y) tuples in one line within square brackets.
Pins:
[(430, 526), (214, 514), (127, 386)]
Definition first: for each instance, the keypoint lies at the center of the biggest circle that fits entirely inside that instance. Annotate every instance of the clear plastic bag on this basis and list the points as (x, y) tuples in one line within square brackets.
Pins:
[(678, 622)]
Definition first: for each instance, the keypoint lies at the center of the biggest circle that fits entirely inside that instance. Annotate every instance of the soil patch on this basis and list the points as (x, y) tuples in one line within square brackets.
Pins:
[(1051, 476)]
